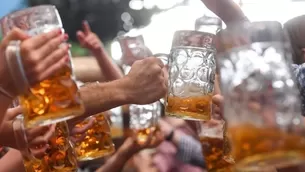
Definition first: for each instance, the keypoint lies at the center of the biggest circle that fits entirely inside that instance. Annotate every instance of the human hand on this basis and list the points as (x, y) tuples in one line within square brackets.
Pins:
[(41, 55), (89, 39), (143, 162), (217, 101), (131, 146), (78, 132), (146, 81), (36, 139)]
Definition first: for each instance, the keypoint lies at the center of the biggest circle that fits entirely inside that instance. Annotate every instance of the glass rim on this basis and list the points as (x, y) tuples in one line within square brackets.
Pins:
[(246, 33), (17, 13)]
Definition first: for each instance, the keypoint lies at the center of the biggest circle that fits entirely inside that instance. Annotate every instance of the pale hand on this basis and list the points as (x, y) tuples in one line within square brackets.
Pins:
[(89, 39)]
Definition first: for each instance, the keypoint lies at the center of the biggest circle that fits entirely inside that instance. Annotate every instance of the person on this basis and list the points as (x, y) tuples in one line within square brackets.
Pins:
[(231, 13), (129, 148), (181, 150), (41, 58), (91, 41)]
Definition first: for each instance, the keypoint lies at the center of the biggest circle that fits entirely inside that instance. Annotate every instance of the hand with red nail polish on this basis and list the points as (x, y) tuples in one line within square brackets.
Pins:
[(42, 56)]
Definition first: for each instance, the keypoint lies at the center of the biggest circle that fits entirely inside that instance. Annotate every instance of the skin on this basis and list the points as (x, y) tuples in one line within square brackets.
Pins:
[(129, 148), (12, 161), (91, 41), (41, 58)]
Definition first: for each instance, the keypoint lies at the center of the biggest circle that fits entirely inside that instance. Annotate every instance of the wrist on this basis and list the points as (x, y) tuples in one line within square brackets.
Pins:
[(126, 90)]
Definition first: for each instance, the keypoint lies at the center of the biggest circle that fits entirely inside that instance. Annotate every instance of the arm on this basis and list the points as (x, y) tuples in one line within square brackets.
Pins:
[(12, 161), (189, 149), (116, 162), (91, 41), (144, 84), (100, 97), (110, 70), (227, 10)]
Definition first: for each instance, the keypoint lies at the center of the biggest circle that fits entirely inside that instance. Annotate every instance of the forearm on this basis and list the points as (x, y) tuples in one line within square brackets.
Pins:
[(100, 97), (12, 161), (227, 10), (110, 70), (117, 162)]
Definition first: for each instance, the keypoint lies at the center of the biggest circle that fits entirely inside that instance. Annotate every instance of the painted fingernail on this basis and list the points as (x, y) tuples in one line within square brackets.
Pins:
[(66, 36), (59, 31)]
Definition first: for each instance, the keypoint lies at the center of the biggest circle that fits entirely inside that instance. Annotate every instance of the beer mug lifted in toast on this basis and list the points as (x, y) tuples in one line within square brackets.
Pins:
[(261, 100), (54, 99), (191, 67)]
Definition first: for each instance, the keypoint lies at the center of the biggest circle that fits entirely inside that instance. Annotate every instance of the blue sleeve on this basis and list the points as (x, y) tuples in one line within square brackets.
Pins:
[(299, 71)]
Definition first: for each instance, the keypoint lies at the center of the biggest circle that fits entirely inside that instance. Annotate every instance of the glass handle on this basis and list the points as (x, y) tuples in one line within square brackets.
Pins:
[(163, 57)]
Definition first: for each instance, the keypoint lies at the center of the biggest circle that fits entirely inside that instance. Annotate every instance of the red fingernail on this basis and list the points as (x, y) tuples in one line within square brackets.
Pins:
[(67, 58), (59, 32), (66, 36)]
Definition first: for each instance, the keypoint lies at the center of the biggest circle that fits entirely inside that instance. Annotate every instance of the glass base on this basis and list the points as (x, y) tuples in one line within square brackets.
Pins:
[(53, 118), (269, 162), (189, 116), (96, 154)]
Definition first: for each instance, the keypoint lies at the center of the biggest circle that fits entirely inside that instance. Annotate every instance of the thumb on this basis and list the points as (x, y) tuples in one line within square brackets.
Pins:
[(14, 35), (13, 112)]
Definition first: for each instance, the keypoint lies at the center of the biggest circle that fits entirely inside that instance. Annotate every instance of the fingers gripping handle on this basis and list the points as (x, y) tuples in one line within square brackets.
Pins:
[(15, 66)]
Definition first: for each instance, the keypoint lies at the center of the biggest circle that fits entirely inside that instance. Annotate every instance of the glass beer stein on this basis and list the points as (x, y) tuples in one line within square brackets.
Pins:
[(143, 120), (133, 48), (97, 141), (215, 147), (208, 24), (55, 99), (261, 100), (59, 157), (191, 75), (116, 122)]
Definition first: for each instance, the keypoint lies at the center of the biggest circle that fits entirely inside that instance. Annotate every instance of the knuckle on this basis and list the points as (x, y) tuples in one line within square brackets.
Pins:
[(33, 57), (25, 47)]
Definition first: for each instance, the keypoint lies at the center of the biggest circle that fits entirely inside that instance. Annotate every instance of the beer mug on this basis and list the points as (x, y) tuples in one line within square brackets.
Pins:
[(116, 122), (215, 146), (261, 100), (57, 98), (97, 141), (31, 164), (143, 120), (60, 156), (208, 24), (191, 76)]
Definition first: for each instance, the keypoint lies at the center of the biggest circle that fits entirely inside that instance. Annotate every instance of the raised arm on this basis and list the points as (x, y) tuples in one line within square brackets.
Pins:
[(227, 10), (91, 41)]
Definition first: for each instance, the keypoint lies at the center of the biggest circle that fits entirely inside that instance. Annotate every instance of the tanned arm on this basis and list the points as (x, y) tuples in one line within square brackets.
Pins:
[(227, 10), (12, 162)]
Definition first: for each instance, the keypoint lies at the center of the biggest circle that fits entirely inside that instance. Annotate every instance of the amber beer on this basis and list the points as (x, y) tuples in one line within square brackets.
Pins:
[(34, 165), (54, 99), (252, 145), (190, 108), (97, 142), (213, 151), (142, 135), (60, 156)]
